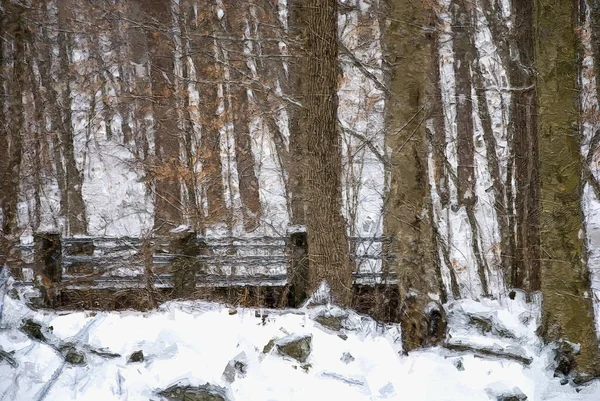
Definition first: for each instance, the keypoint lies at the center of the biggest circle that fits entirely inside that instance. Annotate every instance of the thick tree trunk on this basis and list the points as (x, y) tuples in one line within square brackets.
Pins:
[(409, 64), (327, 237), (567, 310)]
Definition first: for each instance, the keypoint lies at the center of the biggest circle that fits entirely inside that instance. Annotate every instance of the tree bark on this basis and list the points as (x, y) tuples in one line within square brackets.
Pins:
[(167, 205), (244, 156), (13, 123), (297, 85), (467, 197), (409, 67), (75, 213), (208, 72), (327, 236), (526, 270), (567, 311)]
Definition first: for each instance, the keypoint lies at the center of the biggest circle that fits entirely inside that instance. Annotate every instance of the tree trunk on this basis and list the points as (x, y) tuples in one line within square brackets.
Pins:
[(526, 269), (237, 15), (408, 65), (168, 205), (327, 236), (73, 179), (463, 37), (567, 311), (13, 122), (186, 15), (297, 114), (208, 72)]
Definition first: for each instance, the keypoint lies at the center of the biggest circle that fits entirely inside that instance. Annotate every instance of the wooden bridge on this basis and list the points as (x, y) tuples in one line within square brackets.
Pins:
[(183, 263)]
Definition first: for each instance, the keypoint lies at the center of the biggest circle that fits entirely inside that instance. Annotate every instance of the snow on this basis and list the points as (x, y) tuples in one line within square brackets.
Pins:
[(194, 341)]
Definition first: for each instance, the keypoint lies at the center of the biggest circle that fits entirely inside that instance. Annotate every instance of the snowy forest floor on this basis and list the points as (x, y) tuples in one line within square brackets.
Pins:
[(89, 355)]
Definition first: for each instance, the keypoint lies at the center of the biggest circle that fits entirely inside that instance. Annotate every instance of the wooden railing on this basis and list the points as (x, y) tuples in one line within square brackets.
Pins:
[(126, 262)]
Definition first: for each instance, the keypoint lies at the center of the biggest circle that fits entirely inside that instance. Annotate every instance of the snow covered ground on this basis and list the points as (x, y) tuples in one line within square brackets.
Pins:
[(195, 343)]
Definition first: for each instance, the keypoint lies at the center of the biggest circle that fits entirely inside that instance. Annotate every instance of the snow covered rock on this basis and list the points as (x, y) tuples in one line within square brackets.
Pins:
[(205, 392), (235, 368), (74, 358), (137, 356), (295, 347), (329, 321), (501, 392), (33, 329), (8, 357), (347, 358)]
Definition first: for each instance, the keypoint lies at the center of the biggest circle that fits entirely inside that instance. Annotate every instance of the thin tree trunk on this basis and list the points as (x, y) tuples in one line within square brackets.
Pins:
[(594, 6), (438, 143), (168, 205), (567, 311), (244, 156), (13, 122), (463, 53), (13, 126), (297, 113), (273, 70), (203, 54), (526, 270), (75, 207), (186, 14)]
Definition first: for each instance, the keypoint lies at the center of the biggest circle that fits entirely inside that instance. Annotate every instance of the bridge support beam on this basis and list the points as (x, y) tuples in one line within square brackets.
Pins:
[(298, 267), (48, 264)]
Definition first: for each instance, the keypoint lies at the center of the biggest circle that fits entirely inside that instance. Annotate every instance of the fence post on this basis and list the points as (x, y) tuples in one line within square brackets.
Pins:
[(48, 262), (10, 255), (183, 245), (298, 264)]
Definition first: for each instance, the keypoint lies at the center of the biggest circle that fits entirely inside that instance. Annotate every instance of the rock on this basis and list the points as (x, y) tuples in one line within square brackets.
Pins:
[(263, 317), (33, 330), (137, 356), (458, 364), (75, 358), (488, 325), (8, 357), (347, 380), (499, 392), (267, 348), (297, 348), (564, 359), (347, 357), (343, 336), (387, 390), (331, 322), (237, 367), (306, 367), (104, 354), (512, 397), (206, 392), (14, 294), (233, 311)]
